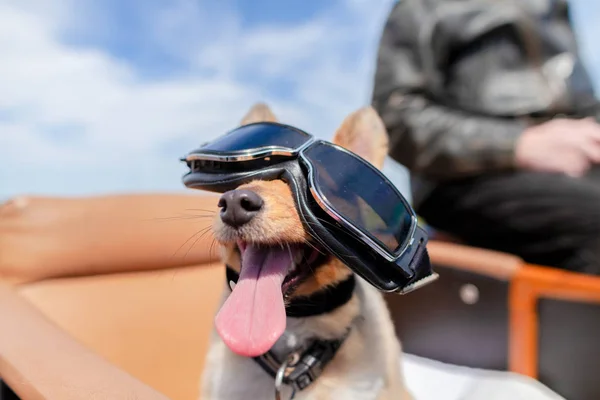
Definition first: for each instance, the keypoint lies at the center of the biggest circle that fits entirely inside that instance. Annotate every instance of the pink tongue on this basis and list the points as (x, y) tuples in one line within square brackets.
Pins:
[(253, 316)]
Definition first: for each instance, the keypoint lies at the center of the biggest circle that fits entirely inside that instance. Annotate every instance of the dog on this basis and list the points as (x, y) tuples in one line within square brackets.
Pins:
[(368, 363)]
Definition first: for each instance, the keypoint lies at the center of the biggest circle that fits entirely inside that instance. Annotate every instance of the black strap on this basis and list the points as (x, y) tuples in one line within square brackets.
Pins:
[(309, 365), (424, 274), (318, 303)]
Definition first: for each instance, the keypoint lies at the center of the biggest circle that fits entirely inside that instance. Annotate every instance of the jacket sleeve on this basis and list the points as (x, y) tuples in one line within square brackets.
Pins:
[(430, 138)]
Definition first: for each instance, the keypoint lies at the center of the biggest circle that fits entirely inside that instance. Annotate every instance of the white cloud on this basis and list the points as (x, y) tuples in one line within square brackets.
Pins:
[(75, 118), (78, 120)]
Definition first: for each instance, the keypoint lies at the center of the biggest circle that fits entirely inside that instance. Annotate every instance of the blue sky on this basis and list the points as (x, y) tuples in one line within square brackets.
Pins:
[(105, 96)]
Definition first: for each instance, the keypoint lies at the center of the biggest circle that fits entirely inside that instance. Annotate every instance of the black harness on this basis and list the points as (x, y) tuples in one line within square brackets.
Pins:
[(310, 361)]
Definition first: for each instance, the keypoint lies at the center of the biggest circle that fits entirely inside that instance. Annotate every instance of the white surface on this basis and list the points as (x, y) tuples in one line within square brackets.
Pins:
[(432, 380)]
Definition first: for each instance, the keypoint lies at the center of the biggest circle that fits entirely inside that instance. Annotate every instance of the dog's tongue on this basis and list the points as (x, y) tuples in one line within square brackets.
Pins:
[(253, 316)]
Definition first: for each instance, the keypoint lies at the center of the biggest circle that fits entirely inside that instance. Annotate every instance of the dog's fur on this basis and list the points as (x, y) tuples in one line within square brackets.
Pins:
[(367, 366)]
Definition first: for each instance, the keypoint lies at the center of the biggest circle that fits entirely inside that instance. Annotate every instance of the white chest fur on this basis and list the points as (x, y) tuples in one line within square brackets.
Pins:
[(365, 367)]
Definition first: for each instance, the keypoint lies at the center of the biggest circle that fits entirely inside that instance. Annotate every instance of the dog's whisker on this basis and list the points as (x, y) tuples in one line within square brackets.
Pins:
[(212, 212), (290, 252), (334, 253), (196, 241), (180, 217), (211, 249), (308, 243), (205, 229), (334, 226)]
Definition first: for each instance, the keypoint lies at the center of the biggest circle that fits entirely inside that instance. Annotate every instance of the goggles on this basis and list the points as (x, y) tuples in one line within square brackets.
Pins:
[(346, 204)]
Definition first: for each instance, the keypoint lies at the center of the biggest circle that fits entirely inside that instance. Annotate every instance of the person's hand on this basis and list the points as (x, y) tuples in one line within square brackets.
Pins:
[(560, 146)]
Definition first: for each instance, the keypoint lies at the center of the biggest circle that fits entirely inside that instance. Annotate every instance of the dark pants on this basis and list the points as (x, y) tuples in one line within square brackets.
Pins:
[(546, 219)]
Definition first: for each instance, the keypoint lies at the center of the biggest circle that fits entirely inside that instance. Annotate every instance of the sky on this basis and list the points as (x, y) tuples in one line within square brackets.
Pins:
[(102, 97)]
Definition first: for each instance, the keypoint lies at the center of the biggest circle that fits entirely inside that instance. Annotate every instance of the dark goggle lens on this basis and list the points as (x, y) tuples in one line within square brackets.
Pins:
[(361, 195), (256, 136)]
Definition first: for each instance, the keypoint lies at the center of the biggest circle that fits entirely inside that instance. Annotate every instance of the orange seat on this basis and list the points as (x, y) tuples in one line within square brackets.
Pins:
[(153, 322), (154, 325)]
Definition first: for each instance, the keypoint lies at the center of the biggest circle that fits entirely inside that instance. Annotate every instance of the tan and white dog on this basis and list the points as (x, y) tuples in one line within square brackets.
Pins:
[(252, 316)]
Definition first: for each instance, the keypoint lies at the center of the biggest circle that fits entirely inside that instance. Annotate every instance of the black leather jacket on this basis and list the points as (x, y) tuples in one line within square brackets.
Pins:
[(457, 81)]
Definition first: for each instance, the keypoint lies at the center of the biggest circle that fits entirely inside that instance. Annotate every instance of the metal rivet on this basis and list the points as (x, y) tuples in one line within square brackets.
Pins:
[(469, 294)]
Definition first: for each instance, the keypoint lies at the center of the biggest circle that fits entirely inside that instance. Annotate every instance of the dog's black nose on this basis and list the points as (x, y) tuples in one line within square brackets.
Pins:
[(238, 207)]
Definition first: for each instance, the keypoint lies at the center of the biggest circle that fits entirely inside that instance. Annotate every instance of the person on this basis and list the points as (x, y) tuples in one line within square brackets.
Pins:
[(489, 106)]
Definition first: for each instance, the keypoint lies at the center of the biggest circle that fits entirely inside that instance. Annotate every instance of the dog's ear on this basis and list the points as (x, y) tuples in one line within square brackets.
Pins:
[(364, 133), (260, 112)]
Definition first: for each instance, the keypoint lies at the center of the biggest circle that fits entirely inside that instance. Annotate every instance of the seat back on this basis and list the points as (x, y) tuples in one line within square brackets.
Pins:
[(569, 351), (461, 319), (154, 325), (554, 329)]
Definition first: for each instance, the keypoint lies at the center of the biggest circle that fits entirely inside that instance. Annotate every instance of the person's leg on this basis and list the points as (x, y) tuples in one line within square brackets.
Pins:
[(546, 219)]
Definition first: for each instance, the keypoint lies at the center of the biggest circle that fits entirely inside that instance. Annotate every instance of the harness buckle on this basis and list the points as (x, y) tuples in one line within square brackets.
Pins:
[(290, 362)]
